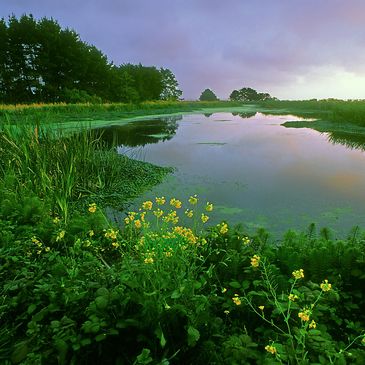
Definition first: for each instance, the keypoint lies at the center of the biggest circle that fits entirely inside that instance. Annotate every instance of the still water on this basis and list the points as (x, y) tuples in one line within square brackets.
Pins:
[(255, 171)]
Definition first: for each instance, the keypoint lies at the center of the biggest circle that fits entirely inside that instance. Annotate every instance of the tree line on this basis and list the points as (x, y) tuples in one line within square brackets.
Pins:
[(41, 62), (244, 94)]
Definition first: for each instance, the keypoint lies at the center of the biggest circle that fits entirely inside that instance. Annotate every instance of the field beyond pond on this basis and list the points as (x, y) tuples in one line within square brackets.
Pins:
[(172, 279)]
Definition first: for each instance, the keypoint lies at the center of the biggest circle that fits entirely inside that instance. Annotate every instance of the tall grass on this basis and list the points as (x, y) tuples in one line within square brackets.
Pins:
[(350, 111), (66, 168)]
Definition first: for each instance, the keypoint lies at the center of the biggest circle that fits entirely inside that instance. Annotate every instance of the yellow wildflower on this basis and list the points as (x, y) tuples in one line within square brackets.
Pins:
[(224, 290), (142, 216), (292, 297), (223, 228), (204, 218), (271, 349), (326, 286), (175, 203), (60, 235), (92, 207), (47, 249), (236, 300), (255, 261), (193, 200), (160, 201), (189, 213), (226, 312), (110, 233), (147, 205), (313, 324), (115, 244), (127, 220), (137, 223), (298, 274), (209, 207), (56, 220), (148, 260), (262, 307), (304, 316), (246, 240), (158, 213)]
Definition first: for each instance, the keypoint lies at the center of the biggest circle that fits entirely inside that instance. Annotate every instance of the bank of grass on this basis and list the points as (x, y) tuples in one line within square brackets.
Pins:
[(95, 114), (80, 289), (350, 112)]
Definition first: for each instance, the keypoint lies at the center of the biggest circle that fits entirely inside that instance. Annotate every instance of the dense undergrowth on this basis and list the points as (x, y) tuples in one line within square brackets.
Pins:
[(161, 286)]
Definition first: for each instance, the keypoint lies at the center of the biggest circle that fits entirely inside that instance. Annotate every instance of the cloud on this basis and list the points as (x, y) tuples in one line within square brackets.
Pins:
[(269, 45)]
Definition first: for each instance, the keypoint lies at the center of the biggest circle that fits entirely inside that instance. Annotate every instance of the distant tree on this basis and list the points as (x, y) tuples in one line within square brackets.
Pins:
[(170, 86), (248, 94), (208, 95)]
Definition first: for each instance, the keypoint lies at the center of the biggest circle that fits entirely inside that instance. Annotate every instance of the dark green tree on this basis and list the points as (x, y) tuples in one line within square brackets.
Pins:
[(248, 94), (208, 95)]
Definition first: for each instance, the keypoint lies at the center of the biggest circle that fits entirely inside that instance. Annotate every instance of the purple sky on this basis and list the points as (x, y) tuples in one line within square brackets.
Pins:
[(290, 48)]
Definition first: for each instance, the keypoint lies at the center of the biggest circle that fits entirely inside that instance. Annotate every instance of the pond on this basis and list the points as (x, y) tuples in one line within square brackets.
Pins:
[(255, 171)]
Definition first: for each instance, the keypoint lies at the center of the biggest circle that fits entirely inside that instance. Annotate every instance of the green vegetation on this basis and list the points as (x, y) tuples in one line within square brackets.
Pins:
[(160, 287), (249, 94), (40, 62), (208, 95)]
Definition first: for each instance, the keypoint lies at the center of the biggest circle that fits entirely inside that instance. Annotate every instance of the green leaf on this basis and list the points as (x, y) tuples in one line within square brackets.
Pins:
[(101, 302), (102, 292), (193, 336), (235, 284)]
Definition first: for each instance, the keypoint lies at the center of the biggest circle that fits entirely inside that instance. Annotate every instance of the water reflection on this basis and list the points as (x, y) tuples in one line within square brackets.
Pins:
[(245, 115), (350, 140), (140, 133), (256, 171)]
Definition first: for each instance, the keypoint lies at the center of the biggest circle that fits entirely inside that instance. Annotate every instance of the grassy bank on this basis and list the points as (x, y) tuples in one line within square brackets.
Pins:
[(94, 113)]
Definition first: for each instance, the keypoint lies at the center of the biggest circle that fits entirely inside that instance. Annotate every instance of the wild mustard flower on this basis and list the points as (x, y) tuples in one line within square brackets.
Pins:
[(293, 297), (224, 290), (255, 261), (246, 240), (127, 220), (236, 300), (262, 307), (60, 235), (92, 208), (147, 205), (304, 315), (193, 200), (56, 220), (110, 233), (209, 207), (204, 218), (313, 324), (148, 260), (115, 244), (223, 228), (160, 201), (158, 213), (298, 274), (326, 286), (271, 349), (175, 203), (137, 223), (189, 213)]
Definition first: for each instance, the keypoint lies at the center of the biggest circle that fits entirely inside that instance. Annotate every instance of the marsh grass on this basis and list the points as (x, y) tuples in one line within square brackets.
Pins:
[(68, 168)]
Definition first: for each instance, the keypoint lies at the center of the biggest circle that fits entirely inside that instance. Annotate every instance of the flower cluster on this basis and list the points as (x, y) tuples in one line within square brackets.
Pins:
[(304, 315), (271, 349), (92, 208), (236, 299), (293, 297), (298, 274), (255, 261), (326, 286), (175, 203)]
